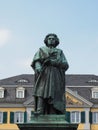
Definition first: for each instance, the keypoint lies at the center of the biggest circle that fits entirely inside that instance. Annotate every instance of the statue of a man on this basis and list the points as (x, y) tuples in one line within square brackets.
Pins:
[(49, 64)]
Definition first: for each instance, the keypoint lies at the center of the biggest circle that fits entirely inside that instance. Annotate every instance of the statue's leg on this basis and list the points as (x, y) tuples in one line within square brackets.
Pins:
[(35, 99), (52, 110), (40, 106)]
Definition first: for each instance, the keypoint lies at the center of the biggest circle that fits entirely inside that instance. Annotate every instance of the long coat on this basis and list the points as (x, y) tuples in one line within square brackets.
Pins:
[(50, 83)]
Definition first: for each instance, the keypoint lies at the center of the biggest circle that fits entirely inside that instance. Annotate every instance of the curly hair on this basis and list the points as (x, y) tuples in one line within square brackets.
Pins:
[(56, 39)]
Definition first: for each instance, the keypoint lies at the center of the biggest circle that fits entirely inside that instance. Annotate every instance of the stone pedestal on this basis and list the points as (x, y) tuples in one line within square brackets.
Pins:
[(48, 122)]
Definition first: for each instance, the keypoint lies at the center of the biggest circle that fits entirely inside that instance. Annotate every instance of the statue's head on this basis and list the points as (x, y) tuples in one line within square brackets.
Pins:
[(51, 40)]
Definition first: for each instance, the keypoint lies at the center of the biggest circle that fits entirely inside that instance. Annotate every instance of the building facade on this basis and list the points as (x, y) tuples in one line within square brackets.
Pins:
[(17, 103)]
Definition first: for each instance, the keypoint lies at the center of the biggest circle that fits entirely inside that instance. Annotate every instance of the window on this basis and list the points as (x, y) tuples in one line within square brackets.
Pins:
[(95, 117), (75, 117), (93, 81), (20, 92), (94, 92), (19, 117), (22, 81), (1, 92), (1, 117)]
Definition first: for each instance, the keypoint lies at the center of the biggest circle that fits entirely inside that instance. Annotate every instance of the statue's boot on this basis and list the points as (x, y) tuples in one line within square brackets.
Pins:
[(40, 107)]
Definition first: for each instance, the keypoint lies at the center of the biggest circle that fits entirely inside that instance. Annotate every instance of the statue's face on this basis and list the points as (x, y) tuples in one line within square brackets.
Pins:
[(51, 40)]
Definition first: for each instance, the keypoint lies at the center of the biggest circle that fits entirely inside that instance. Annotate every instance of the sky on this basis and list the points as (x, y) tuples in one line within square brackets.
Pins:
[(25, 23)]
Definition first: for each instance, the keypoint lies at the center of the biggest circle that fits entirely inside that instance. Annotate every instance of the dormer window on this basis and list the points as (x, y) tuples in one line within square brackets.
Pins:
[(95, 93), (93, 81), (22, 81), (20, 92), (1, 92)]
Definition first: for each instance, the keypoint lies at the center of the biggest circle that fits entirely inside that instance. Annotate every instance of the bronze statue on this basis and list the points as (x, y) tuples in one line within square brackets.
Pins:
[(49, 64)]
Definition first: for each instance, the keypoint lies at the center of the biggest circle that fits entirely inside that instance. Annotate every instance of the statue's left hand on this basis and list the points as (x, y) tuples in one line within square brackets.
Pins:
[(38, 67), (38, 70)]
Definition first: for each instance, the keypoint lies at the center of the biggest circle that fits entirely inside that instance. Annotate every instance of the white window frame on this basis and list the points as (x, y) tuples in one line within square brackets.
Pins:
[(95, 117), (1, 117), (95, 93), (20, 90), (22, 81), (75, 118), (19, 117), (1, 92)]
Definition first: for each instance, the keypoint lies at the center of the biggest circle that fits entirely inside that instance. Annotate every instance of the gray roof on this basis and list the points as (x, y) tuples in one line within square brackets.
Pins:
[(14, 80), (85, 92), (81, 80), (71, 80), (10, 84), (80, 83), (10, 95)]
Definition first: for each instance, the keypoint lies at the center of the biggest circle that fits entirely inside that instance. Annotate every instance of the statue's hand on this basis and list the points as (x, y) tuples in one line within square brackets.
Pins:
[(53, 62), (38, 67), (38, 70)]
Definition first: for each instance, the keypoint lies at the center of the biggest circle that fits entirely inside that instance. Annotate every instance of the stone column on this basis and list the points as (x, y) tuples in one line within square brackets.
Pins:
[(87, 123), (28, 110)]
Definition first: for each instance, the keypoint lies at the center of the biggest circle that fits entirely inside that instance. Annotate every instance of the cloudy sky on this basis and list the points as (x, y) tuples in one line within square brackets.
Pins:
[(25, 23)]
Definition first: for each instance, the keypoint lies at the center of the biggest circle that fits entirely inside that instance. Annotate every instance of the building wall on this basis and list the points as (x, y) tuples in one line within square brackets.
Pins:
[(81, 125), (94, 126), (8, 125)]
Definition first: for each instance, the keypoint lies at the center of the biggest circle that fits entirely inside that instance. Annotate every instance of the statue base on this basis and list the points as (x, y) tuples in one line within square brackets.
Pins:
[(48, 122)]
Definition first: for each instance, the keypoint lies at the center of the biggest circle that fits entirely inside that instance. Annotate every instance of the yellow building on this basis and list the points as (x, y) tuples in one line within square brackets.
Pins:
[(16, 101), (82, 100), (15, 95)]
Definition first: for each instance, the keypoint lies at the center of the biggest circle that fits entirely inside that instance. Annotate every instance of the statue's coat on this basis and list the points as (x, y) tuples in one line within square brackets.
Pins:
[(50, 83)]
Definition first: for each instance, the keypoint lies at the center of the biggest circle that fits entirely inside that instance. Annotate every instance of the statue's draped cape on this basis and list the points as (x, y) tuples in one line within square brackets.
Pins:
[(50, 83)]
